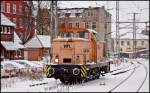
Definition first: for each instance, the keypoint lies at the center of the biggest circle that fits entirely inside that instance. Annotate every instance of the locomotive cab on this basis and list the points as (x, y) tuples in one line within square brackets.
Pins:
[(71, 47)]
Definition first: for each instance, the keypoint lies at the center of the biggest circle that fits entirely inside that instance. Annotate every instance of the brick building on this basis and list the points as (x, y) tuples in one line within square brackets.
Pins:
[(9, 46), (20, 12), (37, 48)]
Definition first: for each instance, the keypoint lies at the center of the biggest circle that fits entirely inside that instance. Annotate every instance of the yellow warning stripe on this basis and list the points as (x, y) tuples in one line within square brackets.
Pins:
[(83, 71), (48, 67)]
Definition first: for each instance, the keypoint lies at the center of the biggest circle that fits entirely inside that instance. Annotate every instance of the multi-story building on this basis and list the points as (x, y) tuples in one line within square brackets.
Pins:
[(10, 45), (20, 12), (126, 44), (96, 18)]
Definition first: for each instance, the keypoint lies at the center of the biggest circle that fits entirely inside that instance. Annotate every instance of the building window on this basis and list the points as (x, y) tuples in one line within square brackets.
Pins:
[(19, 53), (5, 30), (77, 25), (8, 30), (20, 23), (70, 25), (86, 25), (122, 43), (14, 9), (142, 42), (20, 10), (77, 14), (2, 53), (128, 42), (67, 14), (1, 7), (88, 13), (94, 25), (8, 8)]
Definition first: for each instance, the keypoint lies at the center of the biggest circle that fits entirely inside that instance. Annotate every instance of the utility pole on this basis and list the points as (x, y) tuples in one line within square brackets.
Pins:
[(134, 35), (117, 30), (53, 24)]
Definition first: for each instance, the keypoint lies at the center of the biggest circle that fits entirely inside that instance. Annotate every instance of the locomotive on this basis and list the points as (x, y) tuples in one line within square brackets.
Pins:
[(77, 56)]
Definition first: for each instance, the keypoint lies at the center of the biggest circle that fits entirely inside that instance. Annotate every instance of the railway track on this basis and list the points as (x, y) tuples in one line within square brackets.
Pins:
[(146, 70), (122, 82), (59, 87)]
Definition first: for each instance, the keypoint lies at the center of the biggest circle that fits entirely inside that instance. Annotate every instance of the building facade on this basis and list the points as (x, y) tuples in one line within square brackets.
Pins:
[(10, 47), (96, 18), (126, 44), (37, 48), (20, 12)]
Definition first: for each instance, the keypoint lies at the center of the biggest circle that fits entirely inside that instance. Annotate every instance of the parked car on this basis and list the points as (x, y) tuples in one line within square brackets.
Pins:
[(10, 68)]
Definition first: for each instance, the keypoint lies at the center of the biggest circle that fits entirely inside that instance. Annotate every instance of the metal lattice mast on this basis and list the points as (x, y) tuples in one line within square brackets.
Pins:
[(117, 30), (134, 35), (53, 23)]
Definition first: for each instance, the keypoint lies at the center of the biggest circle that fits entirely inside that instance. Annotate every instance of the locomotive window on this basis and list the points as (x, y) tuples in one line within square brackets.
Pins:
[(83, 35), (67, 60)]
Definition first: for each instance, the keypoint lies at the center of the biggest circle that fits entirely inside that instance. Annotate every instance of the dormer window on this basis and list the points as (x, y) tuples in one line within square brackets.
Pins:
[(77, 14), (67, 14)]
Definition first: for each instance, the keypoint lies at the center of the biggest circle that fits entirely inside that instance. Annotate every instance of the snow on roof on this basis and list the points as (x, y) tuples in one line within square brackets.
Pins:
[(91, 30), (17, 41), (39, 41), (9, 45), (5, 21), (45, 40), (130, 36)]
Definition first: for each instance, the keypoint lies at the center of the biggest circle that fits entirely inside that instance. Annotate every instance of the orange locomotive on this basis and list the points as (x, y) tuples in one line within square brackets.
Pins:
[(77, 56)]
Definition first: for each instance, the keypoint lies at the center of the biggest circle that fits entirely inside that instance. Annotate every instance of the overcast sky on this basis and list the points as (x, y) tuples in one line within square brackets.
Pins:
[(126, 7)]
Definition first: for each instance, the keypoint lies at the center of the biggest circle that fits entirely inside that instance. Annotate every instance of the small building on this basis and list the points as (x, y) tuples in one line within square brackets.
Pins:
[(126, 44), (37, 48), (9, 45)]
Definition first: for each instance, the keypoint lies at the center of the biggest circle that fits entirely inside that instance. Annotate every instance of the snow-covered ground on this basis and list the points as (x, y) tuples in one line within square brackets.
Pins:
[(103, 84)]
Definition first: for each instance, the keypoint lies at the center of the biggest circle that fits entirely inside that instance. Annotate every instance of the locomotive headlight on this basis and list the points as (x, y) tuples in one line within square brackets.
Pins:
[(76, 71), (56, 60)]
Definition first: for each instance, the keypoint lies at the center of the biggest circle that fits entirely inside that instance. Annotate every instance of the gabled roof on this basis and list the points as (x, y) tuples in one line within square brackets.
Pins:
[(9, 45), (17, 41), (39, 41), (130, 36), (5, 21)]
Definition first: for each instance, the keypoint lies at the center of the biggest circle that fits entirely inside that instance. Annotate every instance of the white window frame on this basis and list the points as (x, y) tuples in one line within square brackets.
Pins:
[(8, 30), (19, 53), (14, 8), (8, 7), (5, 30), (2, 54), (20, 10)]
